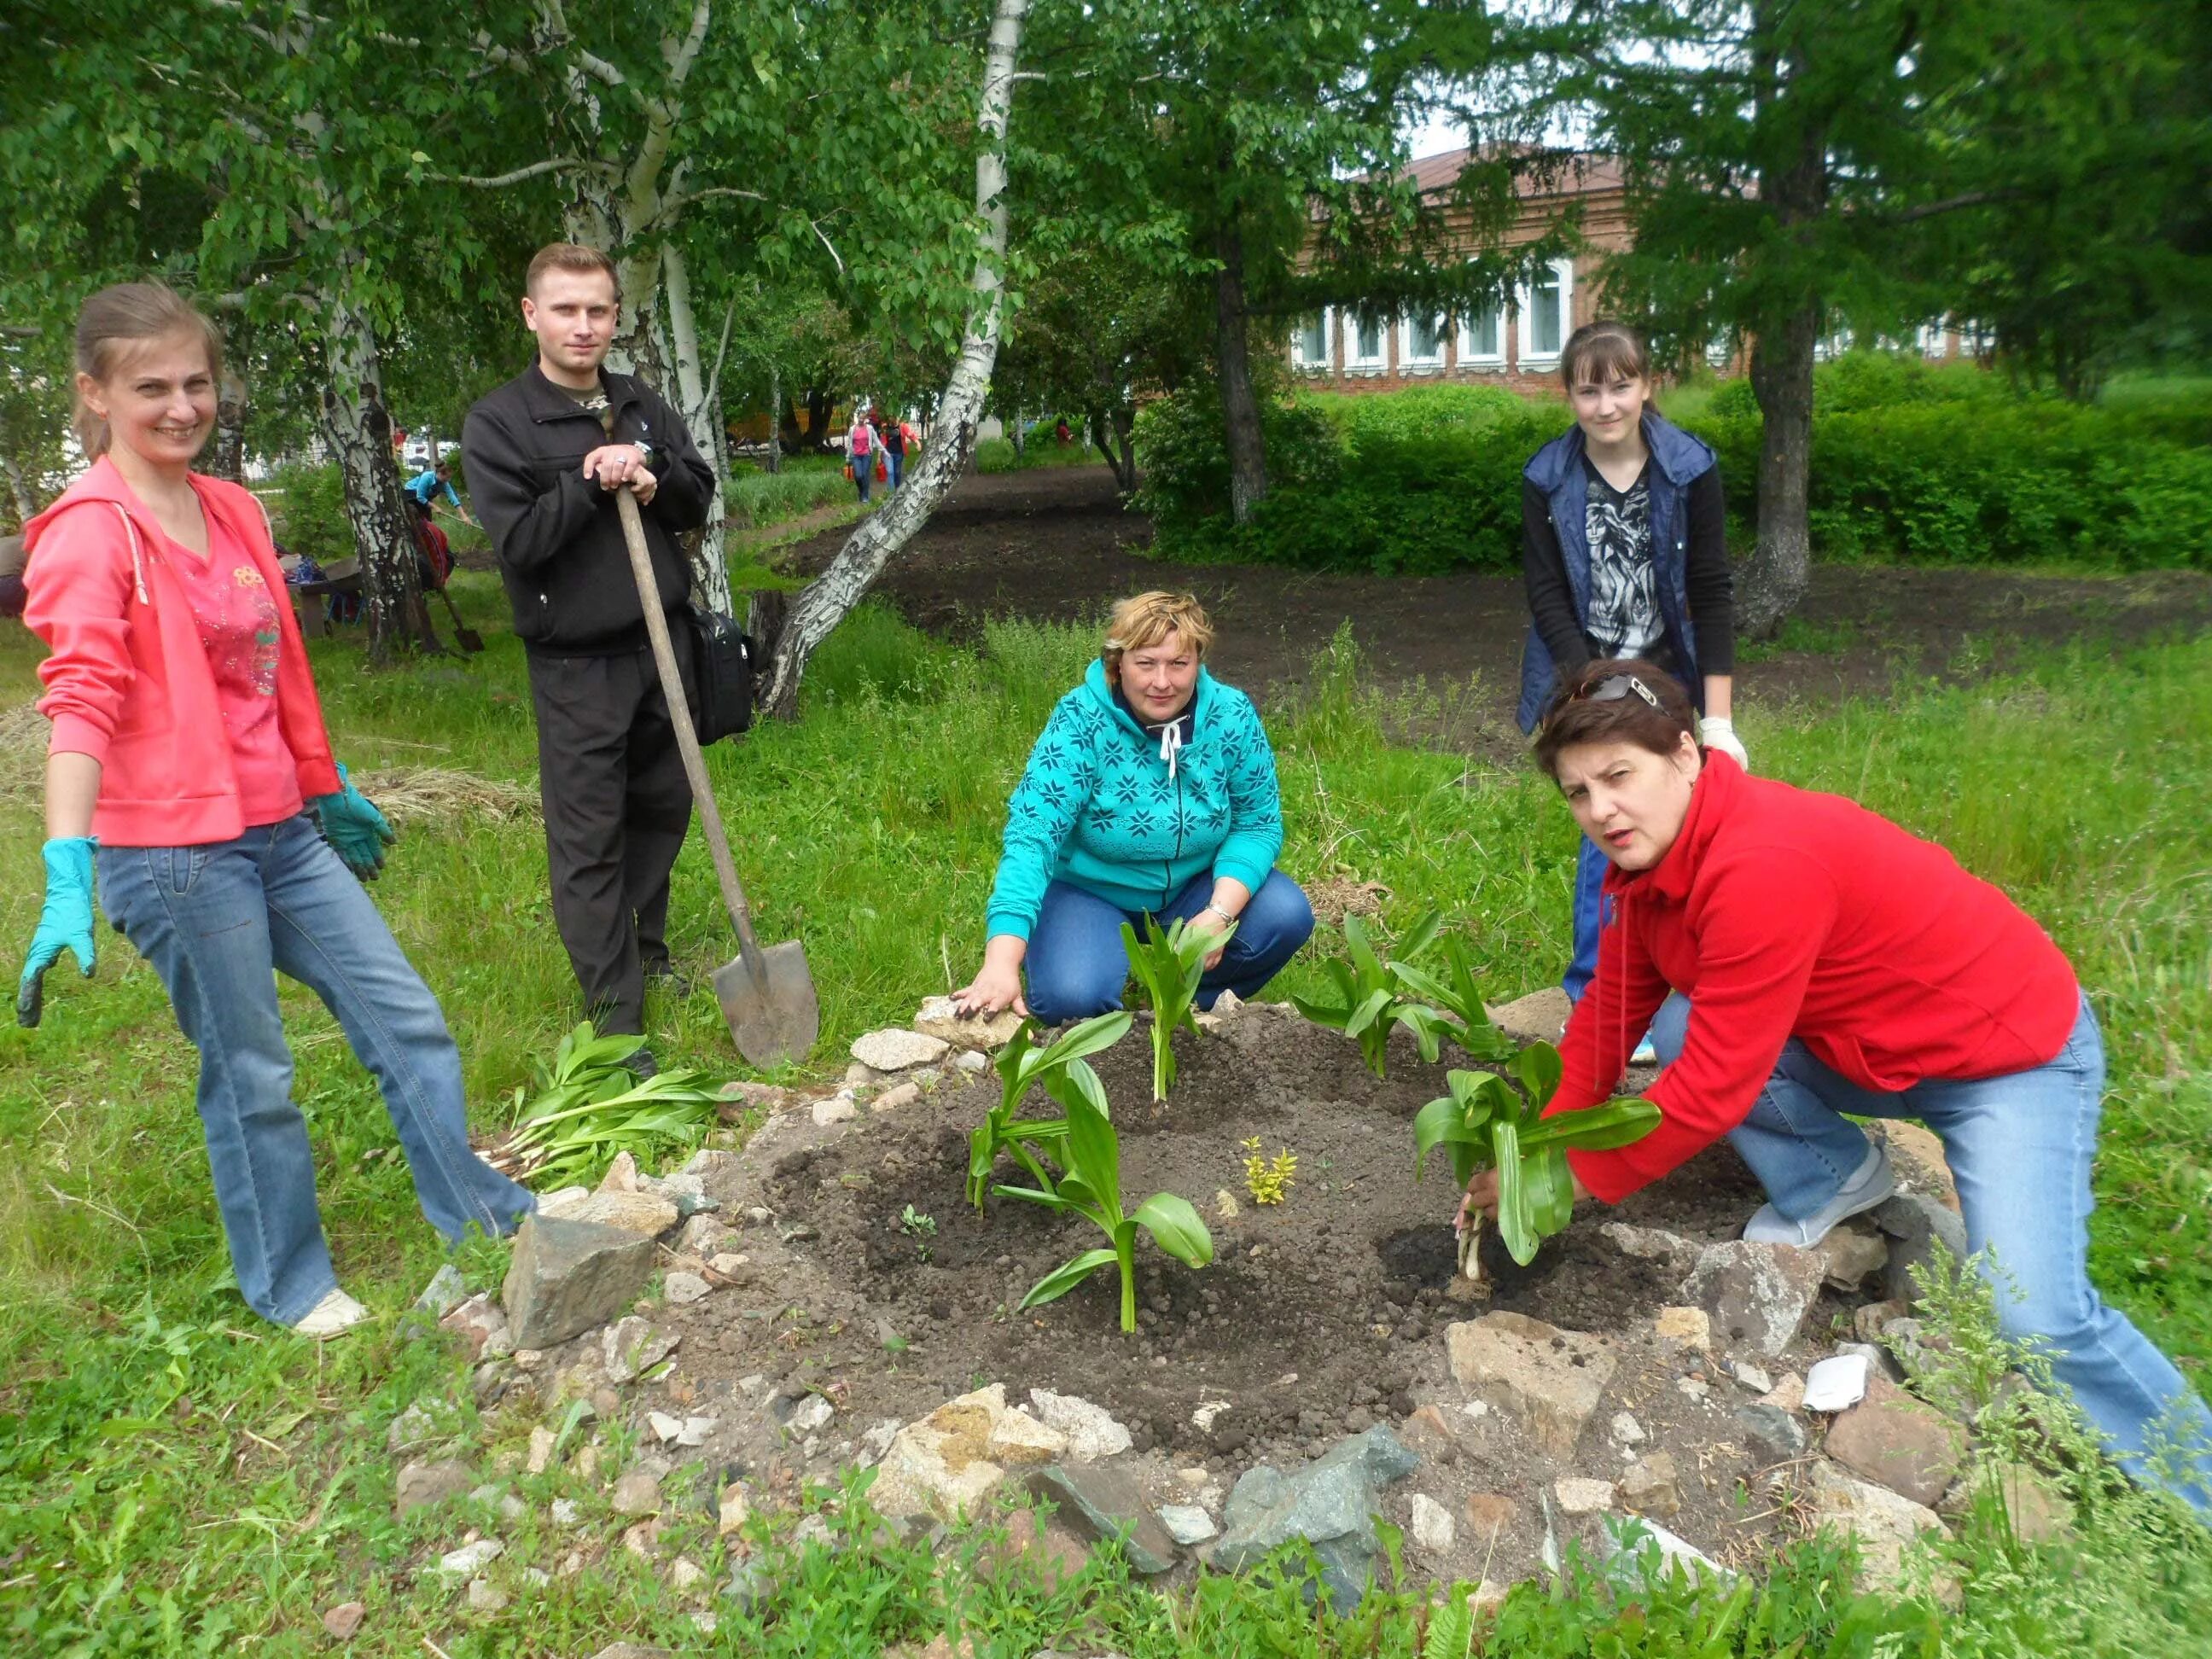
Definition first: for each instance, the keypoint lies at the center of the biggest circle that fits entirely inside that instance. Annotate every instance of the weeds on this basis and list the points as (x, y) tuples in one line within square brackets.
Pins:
[(590, 1107)]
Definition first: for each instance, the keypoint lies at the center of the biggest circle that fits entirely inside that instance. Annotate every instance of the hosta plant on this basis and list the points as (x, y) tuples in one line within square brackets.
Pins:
[(1370, 994), (1061, 1070), (1092, 1186), (591, 1107), (1458, 998), (1168, 965), (1487, 1124)]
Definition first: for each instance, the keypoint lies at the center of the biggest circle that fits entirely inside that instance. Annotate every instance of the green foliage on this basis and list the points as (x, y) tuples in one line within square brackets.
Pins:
[(1060, 1069), (1168, 965), (756, 499), (1459, 998), (1487, 1126), (1091, 1187), (590, 1107), (306, 507), (1371, 1002), (1041, 450)]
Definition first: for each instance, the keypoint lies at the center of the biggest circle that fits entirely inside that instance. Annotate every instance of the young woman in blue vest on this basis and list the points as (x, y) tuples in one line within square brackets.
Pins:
[(1621, 544), (1151, 792)]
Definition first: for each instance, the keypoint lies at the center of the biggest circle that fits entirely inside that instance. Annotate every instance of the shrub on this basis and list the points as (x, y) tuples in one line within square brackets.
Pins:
[(753, 500), (307, 509)]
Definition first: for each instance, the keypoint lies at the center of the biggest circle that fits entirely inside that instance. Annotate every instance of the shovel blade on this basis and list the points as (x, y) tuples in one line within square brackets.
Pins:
[(773, 1018)]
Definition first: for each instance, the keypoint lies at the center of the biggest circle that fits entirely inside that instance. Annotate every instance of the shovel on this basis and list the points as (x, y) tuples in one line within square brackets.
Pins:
[(467, 638), (767, 995)]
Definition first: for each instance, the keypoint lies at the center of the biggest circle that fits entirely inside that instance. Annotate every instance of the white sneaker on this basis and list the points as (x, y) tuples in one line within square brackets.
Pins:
[(335, 1315), (1870, 1184), (1645, 1055)]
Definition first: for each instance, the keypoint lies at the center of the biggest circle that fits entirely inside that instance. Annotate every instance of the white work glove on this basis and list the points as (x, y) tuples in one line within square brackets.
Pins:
[(1718, 732)]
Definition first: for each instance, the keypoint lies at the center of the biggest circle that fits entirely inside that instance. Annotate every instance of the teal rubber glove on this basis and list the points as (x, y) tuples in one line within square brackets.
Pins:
[(356, 831), (66, 923)]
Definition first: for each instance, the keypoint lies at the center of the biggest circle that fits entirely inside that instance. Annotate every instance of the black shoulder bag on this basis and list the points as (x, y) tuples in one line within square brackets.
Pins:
[(722, 705)]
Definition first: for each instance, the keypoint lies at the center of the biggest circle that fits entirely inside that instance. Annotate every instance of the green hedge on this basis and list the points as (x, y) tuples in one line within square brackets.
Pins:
[(1937, 464)]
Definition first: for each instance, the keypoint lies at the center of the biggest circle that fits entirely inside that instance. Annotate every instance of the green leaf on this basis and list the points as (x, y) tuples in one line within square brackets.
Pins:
[(1427, 1026), (1050, 1200), (1539, 1069), (1550, 1189), (1363, 959), (1330, 1016), (1065, 1277), (1438, 1122), (1101, 1031), (1365, 1015), (1418, 937), (1480, 1094), (1597, 1129), (1175, 1227), (1515, 1224), (1094, 1156)]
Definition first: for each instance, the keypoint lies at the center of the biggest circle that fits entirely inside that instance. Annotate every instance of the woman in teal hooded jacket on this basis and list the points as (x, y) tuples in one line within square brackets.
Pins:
[(1152, 792)]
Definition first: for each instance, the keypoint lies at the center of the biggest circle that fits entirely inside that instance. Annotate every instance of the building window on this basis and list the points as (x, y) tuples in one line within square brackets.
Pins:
[(1833, 344), (1720, 351), (1482, 339), (1546, 305), (1309, 343), (1935, 338), (1365, 351), (1421, 344)]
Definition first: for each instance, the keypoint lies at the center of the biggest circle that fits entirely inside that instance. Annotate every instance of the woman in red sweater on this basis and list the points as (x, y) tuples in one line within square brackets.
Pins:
[(190, 762), (1814, 960)]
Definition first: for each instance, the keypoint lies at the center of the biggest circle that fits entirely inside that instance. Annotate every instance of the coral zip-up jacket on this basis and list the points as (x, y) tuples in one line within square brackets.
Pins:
[(1782, 913), (128, 681)]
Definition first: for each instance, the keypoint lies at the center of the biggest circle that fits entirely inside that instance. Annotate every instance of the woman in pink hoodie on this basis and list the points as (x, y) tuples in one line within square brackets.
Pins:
[(190, 763)]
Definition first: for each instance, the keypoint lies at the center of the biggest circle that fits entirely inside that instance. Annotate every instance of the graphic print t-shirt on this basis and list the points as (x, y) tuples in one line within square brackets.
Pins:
[(236, 615), (1624, 603)]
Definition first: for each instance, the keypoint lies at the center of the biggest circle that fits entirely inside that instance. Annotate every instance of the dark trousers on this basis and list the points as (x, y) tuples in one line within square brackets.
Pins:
[(616, 808)]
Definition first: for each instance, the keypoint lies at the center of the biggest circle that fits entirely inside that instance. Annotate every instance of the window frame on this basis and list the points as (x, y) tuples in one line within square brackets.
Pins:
[(1525, 297), (1409, 362), (1463, 330), (1354, 362), (1301, 364)]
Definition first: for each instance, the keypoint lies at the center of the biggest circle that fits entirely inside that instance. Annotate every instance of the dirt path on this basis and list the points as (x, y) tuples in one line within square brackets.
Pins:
[(1057, 544)]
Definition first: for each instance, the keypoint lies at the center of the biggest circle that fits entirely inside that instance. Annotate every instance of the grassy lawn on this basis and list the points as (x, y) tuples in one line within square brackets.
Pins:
[(176, 1477)]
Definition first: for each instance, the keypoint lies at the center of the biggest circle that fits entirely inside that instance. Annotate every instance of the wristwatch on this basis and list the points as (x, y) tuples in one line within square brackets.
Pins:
[(645, 448)]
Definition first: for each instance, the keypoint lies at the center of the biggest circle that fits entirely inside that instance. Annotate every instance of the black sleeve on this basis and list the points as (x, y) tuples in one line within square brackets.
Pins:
[(685, 483), (1711, 585), (527, 528), (1551, 600)]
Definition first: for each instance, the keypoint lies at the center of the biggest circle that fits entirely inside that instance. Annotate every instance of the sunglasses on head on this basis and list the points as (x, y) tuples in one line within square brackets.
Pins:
[(1612, 688)]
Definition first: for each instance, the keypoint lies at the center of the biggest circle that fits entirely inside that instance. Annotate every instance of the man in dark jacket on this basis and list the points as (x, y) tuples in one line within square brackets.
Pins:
[(546, 454)]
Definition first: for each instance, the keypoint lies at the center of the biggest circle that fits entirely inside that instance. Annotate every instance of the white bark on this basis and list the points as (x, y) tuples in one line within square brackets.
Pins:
[(359, 432), (825, 601), (19, 487), (693, 399)]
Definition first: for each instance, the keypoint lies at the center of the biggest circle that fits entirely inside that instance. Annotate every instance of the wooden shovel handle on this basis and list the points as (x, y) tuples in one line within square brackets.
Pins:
[(687, 738)]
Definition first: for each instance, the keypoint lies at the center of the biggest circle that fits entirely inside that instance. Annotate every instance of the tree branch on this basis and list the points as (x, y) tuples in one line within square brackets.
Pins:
[(500, 181)]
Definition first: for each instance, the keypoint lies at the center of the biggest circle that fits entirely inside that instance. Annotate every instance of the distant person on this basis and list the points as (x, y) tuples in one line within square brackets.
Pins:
[(190, 765), (11, 575), (1063, 433), (1623, 556), (1089, 845), (861, 444), (893, 435), (1809, 963), (546, 454), (427, 485)]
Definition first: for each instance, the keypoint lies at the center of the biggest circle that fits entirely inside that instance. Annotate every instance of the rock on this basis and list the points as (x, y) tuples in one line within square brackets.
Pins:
[(682, 1289), (1203, 1416), (1017, 1438), (1649, 1243), (633, 1650), (1536, 1018), (663, 1427), (730, 1263), (972, 1063), (1625, 1430), (1330, 1503), (1851, 1255), (541, 1450), (1548, 1379), (561, 1201), (421, 1485), (2037, 1512), (810, 1415), (1788, 1394), (1187, 1523), (1432, 1526), (1774, 1434), (759, 1097), (344, 1619), (936, 1018), (637, 1494), (445, 1288), (709, 1162), (471, 1559), (1091, 1432), (896, 1099), (1578, 1495), (1756, 1294), (1914, 1224), (697, 1430), (840, 1107), (895, 1050), (631, 1347), (1884, 1522), (481, 1326), (1866, 1321), (565, 1511), (1920, 1150), (1102, 1502), (1651, 1486), (621, 1175), (940, 1467), (1226, 1206), (684, 1573), (1684, 1328), (1754, 1379), (1695, 1386), (701, 1236), (1911, 1346), (418, 1425), (648, 1214), (1878, 1358), (1897, 1442), (484, 1597), (733, 1508), (1491, 1516)]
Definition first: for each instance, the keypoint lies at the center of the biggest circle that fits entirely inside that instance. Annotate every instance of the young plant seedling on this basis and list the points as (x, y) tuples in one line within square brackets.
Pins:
[(1459, 999), (1487, 1125), (1061, 1070), (1368, 987), (1168, 965), (1269, 1180), (1092, 1187)]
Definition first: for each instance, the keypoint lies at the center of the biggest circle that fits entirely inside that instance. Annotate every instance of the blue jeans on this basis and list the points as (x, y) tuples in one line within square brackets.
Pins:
[(2020, 1147), (895, 460), (216, 921), (1077, 965), (1590, 865), (864, 470)]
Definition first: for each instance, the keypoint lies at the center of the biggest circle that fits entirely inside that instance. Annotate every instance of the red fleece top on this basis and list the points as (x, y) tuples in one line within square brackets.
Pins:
[(1781, 913), (129, 681)]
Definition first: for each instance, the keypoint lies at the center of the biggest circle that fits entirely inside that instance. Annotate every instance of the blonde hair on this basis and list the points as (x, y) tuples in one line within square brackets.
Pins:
[(125, 315), (1602, 349), (1144, 620), (570, 255)]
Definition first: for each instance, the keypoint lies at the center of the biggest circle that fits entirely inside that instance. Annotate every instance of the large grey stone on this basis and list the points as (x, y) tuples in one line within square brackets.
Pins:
[(1756, 1294), (936, 1018), (1103, 1502), (1092, 1431), (567, 1276), (1548, 1379), (1915, 1223), (1330, 1503), (421, 1485), (895, 1050), (1774, 1434)]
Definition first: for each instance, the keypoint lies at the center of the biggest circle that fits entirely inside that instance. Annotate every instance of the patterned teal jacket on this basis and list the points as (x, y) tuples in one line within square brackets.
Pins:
[(1098, 806)]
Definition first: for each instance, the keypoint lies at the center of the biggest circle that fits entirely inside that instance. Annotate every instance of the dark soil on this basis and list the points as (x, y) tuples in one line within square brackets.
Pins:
[(1057, 544)]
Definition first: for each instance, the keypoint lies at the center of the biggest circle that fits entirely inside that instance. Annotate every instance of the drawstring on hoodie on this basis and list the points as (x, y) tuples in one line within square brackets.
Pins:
[(138, 564), (1171, 746)]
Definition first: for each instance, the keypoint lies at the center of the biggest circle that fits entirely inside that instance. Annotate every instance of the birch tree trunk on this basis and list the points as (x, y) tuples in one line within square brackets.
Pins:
[(827, 599), (1240, 407), (227, 458), (359, 432), (708, 567), (774, 417), (20, 491)]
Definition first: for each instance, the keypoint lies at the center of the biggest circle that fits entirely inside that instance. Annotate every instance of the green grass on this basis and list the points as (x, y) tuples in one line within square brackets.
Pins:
[(756, 501), (1041, 449), (176, 1477), (1815, 639)]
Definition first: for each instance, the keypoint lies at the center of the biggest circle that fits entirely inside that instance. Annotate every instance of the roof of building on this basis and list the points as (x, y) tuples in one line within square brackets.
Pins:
[(1561, 173)]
